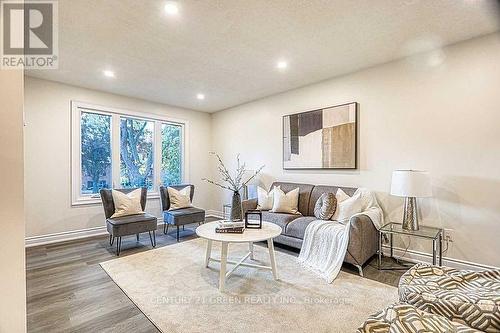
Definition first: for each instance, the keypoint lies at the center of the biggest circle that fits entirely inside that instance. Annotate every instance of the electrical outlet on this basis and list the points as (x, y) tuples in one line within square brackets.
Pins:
[(448, 235)]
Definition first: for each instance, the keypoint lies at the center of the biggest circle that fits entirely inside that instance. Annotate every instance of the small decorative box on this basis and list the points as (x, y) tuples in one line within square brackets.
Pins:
[(253, 225)]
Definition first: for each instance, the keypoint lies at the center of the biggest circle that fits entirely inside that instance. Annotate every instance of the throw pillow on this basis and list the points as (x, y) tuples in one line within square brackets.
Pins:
[(127, 204), (264, 199), (347, 208), (340, 196), (325, 206), (179, 198), (286, 202)]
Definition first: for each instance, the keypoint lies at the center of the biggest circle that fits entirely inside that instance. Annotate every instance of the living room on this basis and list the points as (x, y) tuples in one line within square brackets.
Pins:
[(189, 166)]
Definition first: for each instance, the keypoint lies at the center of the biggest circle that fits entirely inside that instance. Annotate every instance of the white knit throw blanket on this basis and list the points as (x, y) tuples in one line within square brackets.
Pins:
[(325, 242)]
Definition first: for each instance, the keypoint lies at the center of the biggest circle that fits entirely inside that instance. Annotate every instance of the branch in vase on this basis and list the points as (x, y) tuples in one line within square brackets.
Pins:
[(218, 184), (224, 171), (252, 177)]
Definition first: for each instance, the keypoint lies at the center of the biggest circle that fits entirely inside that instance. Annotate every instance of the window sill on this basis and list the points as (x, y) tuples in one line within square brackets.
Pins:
[(97, 201)]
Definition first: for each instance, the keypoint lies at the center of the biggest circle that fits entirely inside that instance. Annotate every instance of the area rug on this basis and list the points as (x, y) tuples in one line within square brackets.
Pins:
[(172, 287)]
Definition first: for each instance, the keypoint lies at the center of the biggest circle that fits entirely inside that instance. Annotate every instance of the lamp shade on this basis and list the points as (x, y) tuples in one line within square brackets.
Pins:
[(411, 183)]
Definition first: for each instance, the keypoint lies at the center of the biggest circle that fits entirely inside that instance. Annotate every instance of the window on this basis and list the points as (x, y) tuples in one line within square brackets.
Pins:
[(136, 153), (95, 152), (126, 149), (171, 154)]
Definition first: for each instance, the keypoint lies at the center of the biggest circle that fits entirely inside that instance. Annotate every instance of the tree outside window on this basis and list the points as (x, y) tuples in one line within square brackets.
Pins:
[(171, 154), (95, 152), (136, 153)]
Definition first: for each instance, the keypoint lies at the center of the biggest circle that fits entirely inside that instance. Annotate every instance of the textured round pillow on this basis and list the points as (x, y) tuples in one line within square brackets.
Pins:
[(325, 206)]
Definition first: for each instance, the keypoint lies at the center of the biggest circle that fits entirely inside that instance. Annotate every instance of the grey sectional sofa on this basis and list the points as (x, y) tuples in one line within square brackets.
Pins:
[(363, 236)]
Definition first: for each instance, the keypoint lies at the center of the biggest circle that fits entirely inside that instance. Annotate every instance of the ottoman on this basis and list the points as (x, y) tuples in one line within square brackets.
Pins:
[(468, 297), (404, 318)]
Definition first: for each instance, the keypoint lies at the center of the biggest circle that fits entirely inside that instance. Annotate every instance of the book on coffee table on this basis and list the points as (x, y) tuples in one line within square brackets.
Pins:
[(238, 230), (229, 224)]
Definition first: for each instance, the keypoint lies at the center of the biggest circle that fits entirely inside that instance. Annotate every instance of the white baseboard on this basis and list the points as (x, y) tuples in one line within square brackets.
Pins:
[(85, 233), (426, 258), (64, 236)]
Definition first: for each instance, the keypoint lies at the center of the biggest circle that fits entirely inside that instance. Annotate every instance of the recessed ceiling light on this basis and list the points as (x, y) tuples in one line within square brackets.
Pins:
[(200, 96), (172, 8), (108, 73), (282, 64)]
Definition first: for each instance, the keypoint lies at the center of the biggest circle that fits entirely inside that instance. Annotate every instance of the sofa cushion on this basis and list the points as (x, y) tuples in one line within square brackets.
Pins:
[(131, 219), (304, 194), (318, 191), (325, 206), (184, 216), (280, 219), (131, 224), (297, 227), (286, 202)]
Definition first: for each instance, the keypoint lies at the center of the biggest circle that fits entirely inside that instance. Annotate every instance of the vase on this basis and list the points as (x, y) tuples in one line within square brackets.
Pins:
[(236, 207)]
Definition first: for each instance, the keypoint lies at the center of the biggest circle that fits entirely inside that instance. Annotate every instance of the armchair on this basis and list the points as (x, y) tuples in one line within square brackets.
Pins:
[(182, 216), (127, 225)]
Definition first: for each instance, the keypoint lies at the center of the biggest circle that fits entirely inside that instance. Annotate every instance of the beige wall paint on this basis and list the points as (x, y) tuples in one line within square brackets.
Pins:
[(48, 171), (445, 119), (12, 259)]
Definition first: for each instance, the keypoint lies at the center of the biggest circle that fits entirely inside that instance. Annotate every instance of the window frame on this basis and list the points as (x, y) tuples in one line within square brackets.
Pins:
[(78, 107)]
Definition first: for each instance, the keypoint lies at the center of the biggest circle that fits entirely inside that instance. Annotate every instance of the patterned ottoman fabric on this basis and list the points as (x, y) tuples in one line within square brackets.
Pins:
[(467, 297), (404, 318)]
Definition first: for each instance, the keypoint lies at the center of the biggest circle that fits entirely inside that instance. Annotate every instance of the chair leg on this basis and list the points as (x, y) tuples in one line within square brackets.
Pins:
[(182, 228), (118, 245), (165, 228), (154, 238), (177, 233), (151, 238), (137, 237), (111, 240)]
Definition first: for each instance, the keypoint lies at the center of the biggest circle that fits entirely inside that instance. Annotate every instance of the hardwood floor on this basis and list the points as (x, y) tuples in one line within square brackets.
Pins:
[(67, 291)]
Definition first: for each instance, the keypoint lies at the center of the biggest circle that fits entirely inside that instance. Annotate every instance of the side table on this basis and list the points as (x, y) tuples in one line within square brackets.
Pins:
[(434, 234)]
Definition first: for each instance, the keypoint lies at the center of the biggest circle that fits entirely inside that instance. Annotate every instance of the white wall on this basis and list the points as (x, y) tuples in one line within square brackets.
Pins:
[(48, 170), (445, 119), (12, 258)]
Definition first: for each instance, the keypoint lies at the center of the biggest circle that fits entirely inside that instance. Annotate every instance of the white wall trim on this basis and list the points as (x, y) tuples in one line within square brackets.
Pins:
[(64, 236), (85, 233), (426, 258)]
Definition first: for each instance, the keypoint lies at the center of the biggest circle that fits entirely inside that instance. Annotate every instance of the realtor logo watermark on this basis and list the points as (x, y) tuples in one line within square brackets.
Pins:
[(29, 34)]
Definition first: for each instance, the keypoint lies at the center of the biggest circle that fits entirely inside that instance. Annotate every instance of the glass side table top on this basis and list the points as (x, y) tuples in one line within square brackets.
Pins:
[(424, 232)]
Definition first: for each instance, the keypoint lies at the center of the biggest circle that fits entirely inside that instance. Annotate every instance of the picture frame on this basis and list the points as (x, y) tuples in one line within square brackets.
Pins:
[(324, 138)]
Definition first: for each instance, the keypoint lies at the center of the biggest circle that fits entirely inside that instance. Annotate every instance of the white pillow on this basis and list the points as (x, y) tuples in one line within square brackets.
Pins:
[(340, 196), (127, 204), (349, 207), (264, 199), (179, 198), (286, 203)]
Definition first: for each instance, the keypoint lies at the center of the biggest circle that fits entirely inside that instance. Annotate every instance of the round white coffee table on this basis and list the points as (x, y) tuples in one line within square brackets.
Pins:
[(267, 233)]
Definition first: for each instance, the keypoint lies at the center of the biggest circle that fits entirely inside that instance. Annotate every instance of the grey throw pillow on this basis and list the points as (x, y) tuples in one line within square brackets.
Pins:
[(325, 206)]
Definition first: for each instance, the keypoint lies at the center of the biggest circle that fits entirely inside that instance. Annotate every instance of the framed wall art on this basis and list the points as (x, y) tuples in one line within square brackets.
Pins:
[(321, 139)]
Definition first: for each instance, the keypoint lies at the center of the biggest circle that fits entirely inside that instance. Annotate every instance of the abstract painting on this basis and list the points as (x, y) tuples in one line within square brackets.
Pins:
[(321, 139)]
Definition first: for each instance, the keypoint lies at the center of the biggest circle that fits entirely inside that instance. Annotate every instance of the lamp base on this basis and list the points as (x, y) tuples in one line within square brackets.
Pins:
[(410, 219)]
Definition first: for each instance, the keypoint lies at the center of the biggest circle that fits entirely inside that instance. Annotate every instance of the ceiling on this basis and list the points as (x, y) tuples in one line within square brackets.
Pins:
[(228, 49)]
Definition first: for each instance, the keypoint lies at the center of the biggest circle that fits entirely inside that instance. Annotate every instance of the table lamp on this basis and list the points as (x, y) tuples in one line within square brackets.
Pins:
[(410, 184)]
